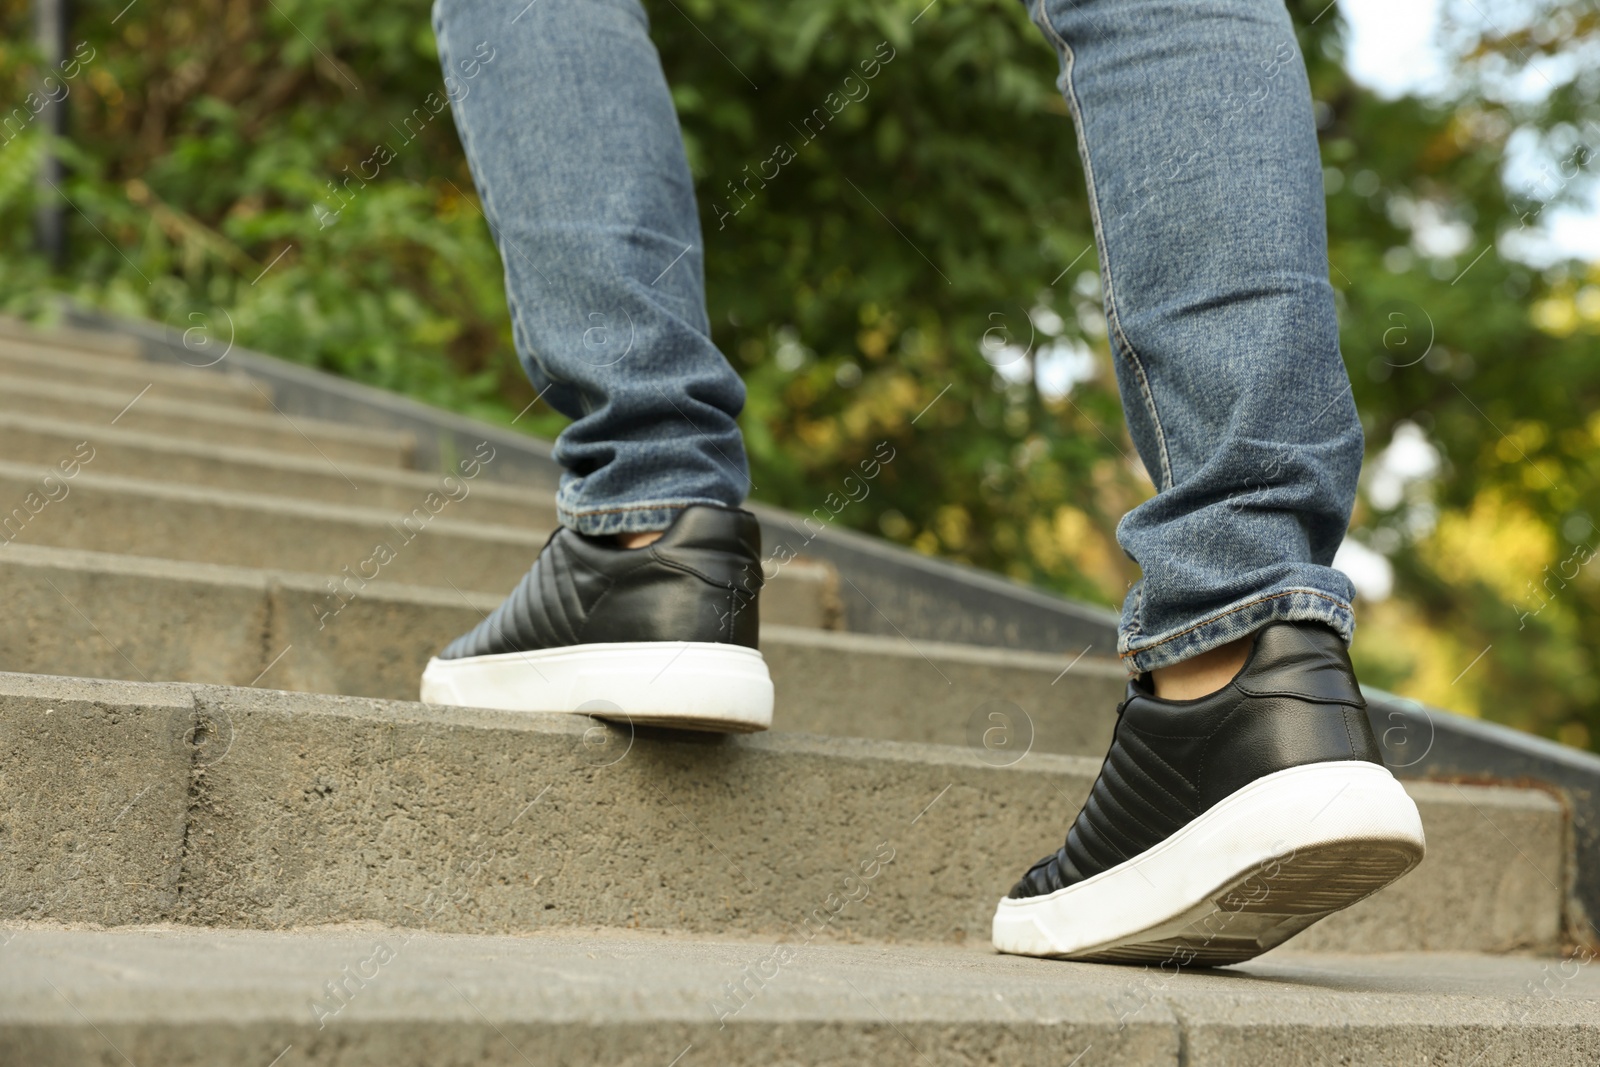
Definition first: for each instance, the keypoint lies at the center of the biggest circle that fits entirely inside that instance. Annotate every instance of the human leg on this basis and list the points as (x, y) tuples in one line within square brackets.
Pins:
[(573, 142), (574, 145), (1196, 131), (1226, 821)]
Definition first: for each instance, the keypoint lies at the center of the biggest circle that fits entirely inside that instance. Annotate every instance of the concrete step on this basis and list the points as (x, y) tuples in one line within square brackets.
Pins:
[(114, 616), (220, 806), (197, 421), (44, 442), (166, 521), (22, 359), (357, 997), (92, 342)]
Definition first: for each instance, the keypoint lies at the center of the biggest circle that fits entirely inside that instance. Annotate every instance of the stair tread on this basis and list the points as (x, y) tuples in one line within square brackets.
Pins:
[(109, 371), (35, 440), (304, 808), (378, 838), (377, 644), (244, 499), (175, 569), (29, 395), (89, 342), (918, 1004), (435, 544)]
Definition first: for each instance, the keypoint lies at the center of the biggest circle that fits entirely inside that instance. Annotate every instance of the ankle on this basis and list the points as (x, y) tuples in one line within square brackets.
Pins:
[(1202, 675), (638, 540)]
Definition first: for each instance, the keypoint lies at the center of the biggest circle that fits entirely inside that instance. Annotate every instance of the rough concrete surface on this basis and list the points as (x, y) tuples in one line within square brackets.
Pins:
[(375, 639), (563, 869), (91, 342), (1001, 703), (68, 614), (94, 783), (26, 439), (166, 382), (189, 419), (139, 517), (178, 997), (695, 834), (314, 809), (203, 524), (355, 811)]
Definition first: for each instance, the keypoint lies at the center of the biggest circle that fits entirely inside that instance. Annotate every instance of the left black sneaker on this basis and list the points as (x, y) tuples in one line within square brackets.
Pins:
[(664, 635), (1221, 827)]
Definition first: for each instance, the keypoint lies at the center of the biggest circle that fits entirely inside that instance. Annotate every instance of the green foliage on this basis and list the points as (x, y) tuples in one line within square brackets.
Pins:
[(1453, 344), (205, 136), (223, 175), (926, 219)]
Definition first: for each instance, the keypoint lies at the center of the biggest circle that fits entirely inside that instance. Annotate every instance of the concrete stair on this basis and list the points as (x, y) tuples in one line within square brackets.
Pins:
[(73, 402), (395, 997), (43, 442), (214, 765), (299, 809), (67, 366)]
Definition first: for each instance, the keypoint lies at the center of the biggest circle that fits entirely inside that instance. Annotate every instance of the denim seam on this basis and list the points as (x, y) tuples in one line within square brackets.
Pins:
[(1248, 604), (468, 141), (1136, 612), (630, 507), (1113, 319)]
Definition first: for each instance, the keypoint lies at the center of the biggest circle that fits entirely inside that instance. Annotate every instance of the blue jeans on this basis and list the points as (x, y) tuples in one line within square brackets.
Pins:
[(1195, 127)]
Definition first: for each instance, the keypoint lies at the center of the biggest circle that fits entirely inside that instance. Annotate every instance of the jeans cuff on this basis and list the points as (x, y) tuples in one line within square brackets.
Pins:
[(631, 518), (1140, 653)]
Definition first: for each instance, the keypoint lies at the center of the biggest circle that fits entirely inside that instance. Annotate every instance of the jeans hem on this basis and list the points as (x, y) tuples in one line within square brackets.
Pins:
[(630, 518), (1235, 621)]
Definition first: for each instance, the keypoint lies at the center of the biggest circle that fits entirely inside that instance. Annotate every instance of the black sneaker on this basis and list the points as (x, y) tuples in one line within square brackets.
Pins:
[(1221, 827), (662, 635)]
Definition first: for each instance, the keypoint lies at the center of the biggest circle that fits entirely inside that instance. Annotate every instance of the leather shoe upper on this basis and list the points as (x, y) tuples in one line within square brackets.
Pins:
[(699, 582), (1294, 702)]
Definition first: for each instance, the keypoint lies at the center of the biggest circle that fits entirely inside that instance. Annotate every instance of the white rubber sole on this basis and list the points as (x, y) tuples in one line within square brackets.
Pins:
[(1250, 873), (691, 685)]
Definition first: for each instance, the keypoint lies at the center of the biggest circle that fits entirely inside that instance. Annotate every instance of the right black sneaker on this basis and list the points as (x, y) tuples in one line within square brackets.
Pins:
[(1221, 827), (662, 635)]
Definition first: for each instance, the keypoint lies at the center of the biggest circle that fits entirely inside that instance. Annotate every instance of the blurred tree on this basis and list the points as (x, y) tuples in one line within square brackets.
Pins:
[(1459, 348), (226, 176), (920, 272)]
